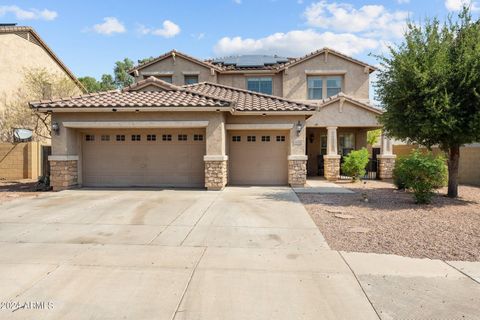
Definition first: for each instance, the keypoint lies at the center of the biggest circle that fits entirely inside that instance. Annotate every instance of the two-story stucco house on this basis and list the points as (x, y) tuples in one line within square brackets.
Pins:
[(23, 49), (243, 120)]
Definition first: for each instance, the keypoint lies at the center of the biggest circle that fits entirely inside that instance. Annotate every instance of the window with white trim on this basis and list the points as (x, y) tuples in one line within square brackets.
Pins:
[(321, 87), (182, 137), (334, 86), (120, 137), (236, 138), (198, 137), (280, 138), (89, 137), (251, 138), (151, 137), (265, 138), (191, 79), (167, 137), (315, 87), (136, 137)]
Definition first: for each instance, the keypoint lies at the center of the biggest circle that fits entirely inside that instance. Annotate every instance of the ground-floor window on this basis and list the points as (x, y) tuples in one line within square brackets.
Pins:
[(346, 143)]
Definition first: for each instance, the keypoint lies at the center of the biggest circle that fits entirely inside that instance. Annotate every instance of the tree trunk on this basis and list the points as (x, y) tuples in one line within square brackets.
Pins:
[(453, 159)]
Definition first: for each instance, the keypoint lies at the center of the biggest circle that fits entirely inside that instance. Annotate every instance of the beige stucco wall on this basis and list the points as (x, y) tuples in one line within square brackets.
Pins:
[(355, 81), (349, 115), (178, 67), (67, 142), (297, 141), (17, 54), (239, 80)]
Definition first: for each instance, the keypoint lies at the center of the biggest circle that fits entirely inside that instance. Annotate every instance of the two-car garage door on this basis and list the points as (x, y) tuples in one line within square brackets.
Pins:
[(145, 158)]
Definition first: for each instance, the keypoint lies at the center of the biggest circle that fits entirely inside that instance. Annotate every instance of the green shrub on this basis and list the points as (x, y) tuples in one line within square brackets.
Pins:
[(422, 173), (354, 163)]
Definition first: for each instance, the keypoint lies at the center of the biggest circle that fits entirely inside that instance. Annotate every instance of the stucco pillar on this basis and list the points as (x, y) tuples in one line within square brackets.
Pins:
[(216, 162), (331, 161), (386, 159)]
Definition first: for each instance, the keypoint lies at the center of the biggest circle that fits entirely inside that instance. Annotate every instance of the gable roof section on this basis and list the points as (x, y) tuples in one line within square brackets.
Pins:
[(171, 96), (341, 96), (246, 100), (29, 34), (151, 81), (174, 53), (313, 54)]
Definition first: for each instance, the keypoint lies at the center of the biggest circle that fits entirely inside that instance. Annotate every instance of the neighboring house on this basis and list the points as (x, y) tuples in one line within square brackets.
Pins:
[(189, 123), (23, 49)]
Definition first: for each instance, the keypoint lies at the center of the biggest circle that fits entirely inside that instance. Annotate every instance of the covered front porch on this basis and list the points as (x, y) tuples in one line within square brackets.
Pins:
[(340, 126)]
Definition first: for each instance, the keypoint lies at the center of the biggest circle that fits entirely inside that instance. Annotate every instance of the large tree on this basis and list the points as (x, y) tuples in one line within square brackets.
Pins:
[(122, 78), (429, 86), (92, 85)]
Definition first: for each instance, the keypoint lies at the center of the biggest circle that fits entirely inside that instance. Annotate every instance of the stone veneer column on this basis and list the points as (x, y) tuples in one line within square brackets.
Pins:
[(216, 172), (386, 159), (297, 170), (331, 161), (63, 172)]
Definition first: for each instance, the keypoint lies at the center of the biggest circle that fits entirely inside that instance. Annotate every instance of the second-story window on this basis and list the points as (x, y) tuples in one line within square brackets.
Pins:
[(334, 86), (321, 87), (191, 79), (315, 87), (262, 85), (165, 78)]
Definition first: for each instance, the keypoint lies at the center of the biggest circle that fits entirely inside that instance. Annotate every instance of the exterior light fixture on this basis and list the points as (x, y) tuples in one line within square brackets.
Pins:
[(55, 128), (299, 127), (114, 110)]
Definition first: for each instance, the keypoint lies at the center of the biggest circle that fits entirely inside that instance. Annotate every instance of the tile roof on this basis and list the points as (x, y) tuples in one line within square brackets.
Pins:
[(134, 99), (358, 102), (174, 52), (248, 100), (203, 94), (22, 31)]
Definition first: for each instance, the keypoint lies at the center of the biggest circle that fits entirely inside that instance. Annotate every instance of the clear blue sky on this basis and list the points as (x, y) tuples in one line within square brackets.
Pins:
[(89, 36)]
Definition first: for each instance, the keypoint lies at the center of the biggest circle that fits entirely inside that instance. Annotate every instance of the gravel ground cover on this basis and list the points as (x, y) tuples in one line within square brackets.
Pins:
[(10, 190), (390, 222)]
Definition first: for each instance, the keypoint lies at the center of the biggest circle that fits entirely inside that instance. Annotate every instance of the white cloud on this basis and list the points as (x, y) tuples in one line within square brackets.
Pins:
[(110, 26), (31, 14), (295, 43), (403, 1), (237, 1), (371, 20), (169, 30), (457, 5)]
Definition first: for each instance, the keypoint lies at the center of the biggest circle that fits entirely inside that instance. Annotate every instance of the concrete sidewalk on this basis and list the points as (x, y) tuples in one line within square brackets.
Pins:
[(244, 253)]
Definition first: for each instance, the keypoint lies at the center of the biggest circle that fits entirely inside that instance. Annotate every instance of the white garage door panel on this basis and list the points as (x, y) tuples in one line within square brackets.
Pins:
[(144, 163), (259, 162)]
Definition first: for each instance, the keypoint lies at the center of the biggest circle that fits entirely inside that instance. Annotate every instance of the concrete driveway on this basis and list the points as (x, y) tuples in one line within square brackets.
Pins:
[(244, 253)]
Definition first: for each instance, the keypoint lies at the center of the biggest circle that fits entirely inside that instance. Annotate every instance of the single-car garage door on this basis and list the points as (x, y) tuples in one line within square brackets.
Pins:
[(145, 158), (258, 157)]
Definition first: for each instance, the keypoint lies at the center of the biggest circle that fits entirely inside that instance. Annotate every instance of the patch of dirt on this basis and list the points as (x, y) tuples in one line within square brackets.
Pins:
[(14, 189), (447, 229)]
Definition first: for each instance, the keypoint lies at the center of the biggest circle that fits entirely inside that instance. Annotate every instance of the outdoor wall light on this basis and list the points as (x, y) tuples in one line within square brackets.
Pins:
[(299, 127), (114, 110), (55, 128)]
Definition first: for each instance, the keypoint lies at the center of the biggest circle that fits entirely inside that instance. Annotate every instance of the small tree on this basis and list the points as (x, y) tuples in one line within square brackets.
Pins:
[(430, 88), (354, 164), (38, 84), (373, 136), (92, 85)]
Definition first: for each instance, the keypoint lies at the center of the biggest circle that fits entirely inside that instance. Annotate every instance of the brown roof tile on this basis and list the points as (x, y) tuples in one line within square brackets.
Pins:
[(248, 100), (134, 99)]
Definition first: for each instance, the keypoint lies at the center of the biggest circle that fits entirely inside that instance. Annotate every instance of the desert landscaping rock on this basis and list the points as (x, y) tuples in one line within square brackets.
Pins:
[(344, 216), (447, 229)]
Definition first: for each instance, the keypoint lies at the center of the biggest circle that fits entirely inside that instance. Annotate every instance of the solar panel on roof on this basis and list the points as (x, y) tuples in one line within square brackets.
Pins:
[(251, 60)]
